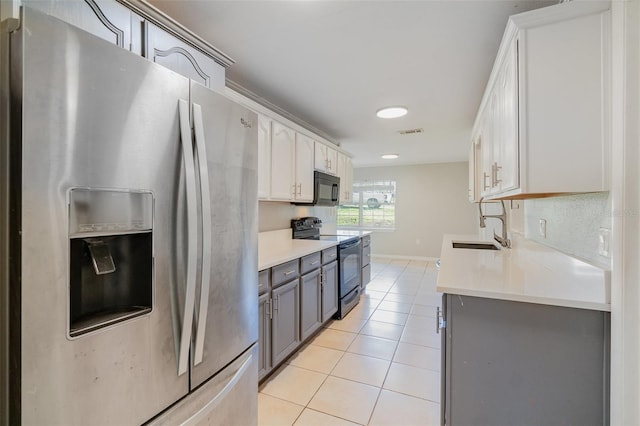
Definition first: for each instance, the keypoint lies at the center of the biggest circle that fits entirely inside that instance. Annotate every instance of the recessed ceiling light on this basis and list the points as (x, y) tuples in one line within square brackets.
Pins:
[(392, 112), (390, 156)]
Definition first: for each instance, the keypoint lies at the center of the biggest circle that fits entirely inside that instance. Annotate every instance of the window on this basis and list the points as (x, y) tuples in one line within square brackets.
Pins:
[(373, 206)]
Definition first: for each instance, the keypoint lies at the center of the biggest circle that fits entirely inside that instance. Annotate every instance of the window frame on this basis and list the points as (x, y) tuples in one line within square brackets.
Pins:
[(385, 187)]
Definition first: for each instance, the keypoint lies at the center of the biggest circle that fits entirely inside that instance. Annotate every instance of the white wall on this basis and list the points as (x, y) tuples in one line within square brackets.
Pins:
[(431, 200)]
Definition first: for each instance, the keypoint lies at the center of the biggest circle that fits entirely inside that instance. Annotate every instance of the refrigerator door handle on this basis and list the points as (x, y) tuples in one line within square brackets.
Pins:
[(205, 199), (192, 234)]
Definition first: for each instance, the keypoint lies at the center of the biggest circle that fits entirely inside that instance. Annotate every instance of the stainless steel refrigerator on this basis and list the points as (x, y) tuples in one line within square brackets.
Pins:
[(128, 239)]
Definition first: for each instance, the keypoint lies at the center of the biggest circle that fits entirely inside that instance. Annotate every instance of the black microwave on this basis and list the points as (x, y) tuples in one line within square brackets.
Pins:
[(326, 189)]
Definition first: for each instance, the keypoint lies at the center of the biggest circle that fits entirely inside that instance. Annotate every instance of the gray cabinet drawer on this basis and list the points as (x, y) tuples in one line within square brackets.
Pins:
[(284, 272), (264, 281), (366, 240), (309, 263), (329, 255), (366, 255)]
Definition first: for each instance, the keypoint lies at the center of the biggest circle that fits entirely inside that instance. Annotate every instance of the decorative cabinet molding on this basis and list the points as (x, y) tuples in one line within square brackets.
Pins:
[(171, 52), (106, 19), (542, 125), (137, 26)]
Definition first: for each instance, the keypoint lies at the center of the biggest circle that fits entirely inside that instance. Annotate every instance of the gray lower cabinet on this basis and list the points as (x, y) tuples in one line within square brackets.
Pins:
[(366, 260), (329, 290), (508, 363), (264, 335), (285, 325), (310, 303), (293, 307)]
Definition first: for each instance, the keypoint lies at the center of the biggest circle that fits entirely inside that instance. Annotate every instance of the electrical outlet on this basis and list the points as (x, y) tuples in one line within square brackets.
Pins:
[(603, 242), (542, 228)]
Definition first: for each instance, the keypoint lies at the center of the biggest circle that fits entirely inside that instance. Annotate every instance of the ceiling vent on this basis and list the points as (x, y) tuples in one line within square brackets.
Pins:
[(410, 131)]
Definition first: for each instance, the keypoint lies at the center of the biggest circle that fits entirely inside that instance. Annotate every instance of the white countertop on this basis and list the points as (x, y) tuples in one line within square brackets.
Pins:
[(276, 247), (527, 272), (352, 233)]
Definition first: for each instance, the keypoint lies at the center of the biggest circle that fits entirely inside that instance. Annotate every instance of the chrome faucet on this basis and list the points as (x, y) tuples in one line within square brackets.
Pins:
[(503, 240)]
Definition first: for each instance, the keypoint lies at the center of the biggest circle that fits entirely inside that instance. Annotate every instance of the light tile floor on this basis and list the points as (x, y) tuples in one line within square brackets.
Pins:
[(378, 366)]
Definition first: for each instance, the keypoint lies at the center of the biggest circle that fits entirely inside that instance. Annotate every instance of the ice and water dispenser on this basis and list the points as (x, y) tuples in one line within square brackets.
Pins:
[(111, 257)]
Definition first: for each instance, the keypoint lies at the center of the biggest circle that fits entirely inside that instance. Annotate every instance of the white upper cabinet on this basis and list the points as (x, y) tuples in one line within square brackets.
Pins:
[(474, 165), (345, 173), (285, 163), (542, 124), (283, 141), (326, 158), (304, 168), (106, 19), (171, 52), (264, 157)]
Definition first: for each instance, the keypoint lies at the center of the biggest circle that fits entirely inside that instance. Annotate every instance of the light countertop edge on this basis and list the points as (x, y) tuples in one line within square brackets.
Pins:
[(277, 247), (528, 272)]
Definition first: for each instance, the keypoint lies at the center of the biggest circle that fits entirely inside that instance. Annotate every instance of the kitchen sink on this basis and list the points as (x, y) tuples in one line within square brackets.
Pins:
[(477, 245)]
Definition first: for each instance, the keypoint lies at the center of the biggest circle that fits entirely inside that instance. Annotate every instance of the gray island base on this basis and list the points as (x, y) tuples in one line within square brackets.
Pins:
[(515, 363)]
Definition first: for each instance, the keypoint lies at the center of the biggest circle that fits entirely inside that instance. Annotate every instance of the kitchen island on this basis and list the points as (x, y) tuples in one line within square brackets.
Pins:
[(525, 336)]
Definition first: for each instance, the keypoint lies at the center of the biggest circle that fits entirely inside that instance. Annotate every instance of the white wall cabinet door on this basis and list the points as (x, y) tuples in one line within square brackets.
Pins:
[(264, 158), (282, 162), (487, 143), (326, 158), (506, 153), (345, 173), (544, 115), (304, 168)]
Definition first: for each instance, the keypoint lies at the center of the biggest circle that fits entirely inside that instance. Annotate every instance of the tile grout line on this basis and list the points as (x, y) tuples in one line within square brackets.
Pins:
[(358, 333)]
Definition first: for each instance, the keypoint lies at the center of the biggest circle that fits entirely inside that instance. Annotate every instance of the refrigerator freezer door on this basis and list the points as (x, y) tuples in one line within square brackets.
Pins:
[(231, 322), (95, 116), (230, 398)]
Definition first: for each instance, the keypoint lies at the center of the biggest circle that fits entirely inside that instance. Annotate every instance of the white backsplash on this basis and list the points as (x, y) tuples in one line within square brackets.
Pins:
[(572, 224), (277, 215)]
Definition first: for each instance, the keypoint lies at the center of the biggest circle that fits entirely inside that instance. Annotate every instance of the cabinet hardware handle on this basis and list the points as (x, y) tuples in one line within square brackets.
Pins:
[(300, 189), (315, 263), (289, 272), (276, 303), (484, 183), (437, 319), (497, 168), (269, 310)]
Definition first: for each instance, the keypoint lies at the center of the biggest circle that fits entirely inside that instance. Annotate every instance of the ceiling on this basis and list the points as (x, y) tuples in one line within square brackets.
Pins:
[(334, 63)]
